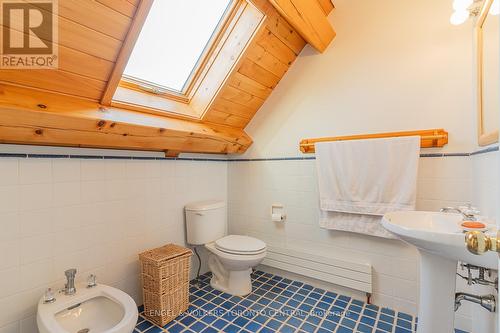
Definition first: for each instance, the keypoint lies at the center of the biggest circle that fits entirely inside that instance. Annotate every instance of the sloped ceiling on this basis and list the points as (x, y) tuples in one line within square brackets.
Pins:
[(91, 36)]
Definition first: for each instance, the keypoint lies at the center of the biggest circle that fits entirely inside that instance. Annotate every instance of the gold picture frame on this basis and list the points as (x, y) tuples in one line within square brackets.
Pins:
[(484, 138)]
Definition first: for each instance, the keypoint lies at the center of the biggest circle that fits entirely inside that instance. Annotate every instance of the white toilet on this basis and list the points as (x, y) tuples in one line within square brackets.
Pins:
[(231, 256)]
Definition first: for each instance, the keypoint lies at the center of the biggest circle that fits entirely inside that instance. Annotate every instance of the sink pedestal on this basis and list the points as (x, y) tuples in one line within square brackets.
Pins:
[(437, 294), (440, 240)]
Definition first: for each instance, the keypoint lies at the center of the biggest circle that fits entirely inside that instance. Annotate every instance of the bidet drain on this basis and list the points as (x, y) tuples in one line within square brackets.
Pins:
[(84, 330)]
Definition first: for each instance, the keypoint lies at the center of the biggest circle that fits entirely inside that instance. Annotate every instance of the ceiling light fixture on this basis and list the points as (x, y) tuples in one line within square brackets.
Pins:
[(459, 17), (464, 9), (495, 7)]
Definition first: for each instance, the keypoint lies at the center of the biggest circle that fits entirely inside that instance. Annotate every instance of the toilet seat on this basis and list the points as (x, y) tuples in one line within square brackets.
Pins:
[(240, 245)]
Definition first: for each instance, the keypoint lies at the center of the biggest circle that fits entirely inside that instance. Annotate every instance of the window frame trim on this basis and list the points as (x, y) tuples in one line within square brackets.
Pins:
[(246, 22), (203, 63)]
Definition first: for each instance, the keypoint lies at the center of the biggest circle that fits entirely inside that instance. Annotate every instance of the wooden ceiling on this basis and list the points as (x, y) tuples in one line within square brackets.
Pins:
[(35, 117), (92, 33), (266, 61)]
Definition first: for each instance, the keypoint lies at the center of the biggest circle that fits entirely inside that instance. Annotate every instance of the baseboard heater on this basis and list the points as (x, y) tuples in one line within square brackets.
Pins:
[(341, 272)]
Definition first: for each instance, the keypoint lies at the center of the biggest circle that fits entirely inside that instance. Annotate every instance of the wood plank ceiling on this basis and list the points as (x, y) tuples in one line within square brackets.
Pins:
[(92, 33), (264, 64), (66, 121)]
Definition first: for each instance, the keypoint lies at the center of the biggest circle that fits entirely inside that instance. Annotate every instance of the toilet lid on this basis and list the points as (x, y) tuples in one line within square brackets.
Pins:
[(240, 244)]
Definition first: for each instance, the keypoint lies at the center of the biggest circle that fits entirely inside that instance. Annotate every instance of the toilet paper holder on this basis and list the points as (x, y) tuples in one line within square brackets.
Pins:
[(278, 213)]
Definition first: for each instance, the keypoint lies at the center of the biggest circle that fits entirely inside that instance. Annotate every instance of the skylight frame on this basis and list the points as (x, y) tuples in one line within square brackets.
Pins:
[(185, 95)]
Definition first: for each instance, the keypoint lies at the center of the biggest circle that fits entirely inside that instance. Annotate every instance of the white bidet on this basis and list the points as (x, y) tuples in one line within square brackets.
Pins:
[(100, 309)]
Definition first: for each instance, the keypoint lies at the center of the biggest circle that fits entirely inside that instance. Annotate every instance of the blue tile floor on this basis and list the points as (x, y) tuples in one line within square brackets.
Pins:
[(277, 304)]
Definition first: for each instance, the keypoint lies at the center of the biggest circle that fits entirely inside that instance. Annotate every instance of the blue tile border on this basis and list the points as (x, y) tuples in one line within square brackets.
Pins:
[(117, 157), (199, 159), (478, 152), (194, 159), (13, 155), (87, 157), (485, 150), (299, 158), (47, 156), (111, 157), (446, 155)]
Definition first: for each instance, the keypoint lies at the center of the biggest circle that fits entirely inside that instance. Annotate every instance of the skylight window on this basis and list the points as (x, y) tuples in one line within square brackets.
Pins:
[(172, 42)]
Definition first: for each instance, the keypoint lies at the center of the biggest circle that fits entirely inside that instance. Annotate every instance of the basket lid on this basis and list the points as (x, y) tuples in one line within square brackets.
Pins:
[(166, 252)]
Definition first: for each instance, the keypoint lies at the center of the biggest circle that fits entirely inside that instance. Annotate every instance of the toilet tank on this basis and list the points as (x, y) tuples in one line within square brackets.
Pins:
[(205, 221)]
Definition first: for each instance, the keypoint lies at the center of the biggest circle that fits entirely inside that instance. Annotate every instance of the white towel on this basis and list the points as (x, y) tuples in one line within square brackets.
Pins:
[(361, 180), (358, 223)]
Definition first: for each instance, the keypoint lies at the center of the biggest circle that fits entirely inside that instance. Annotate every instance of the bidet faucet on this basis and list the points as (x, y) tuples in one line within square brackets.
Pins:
[(69, 287), (468, 212)]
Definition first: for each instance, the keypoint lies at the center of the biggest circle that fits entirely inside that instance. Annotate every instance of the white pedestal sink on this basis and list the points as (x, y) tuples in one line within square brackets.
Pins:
[(441, 243)]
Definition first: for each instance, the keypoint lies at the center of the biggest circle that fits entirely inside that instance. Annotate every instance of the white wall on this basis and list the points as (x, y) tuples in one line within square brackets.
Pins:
[(443, 181), (394, 65), (255, 186), (95, 215), (485, 192)]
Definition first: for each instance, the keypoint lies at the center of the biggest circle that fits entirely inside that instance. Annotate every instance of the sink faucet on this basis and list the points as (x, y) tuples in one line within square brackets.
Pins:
[(468, 212), (69, 287)]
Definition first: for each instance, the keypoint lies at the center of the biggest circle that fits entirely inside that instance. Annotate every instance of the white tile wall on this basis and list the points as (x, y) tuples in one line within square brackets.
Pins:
[(95, 215), (254, 186), (91, 214), (486, 183), (485, 192)]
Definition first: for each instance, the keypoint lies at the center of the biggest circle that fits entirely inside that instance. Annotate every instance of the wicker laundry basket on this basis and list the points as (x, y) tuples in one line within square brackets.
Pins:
[(165, 282)]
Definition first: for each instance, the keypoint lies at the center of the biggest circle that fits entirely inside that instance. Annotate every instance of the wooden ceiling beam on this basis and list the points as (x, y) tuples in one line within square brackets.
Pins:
[(31, 117), (126, 50), (268, 35), (327, 6), (309, 19)]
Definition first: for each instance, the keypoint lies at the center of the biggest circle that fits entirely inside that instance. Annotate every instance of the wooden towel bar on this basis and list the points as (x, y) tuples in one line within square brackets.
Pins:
[(429, 138)]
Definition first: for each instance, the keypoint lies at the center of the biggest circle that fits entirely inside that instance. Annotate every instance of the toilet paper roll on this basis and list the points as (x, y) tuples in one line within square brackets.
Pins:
[(276, 217)]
